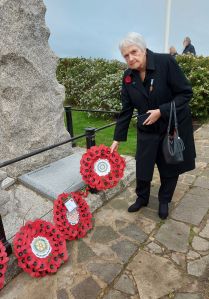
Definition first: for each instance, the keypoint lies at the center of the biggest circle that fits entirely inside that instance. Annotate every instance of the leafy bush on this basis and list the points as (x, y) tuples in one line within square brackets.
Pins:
[(96, 83), (105, 94), (197, 71), (79, 75)]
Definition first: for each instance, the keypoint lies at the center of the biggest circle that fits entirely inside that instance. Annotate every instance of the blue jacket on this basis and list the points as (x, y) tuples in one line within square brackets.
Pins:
[(189, 49)]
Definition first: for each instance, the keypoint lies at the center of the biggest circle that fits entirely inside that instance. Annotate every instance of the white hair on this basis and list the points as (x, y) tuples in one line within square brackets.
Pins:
[(133, 38), (188, 39)]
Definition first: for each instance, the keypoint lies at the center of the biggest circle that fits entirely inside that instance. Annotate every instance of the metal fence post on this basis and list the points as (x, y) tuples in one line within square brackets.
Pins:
[(90, 137), (3, 238), (69, 120), (90, 141)]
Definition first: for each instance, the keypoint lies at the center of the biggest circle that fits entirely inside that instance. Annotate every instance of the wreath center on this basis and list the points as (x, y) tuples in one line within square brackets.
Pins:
[(102, 167), (73, 217), (41, 247)]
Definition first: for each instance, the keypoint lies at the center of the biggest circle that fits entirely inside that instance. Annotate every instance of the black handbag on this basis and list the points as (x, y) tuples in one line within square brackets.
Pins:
[(173, 145)]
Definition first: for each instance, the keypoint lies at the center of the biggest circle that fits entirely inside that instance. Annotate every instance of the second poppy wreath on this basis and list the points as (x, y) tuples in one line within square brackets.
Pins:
[(100, 168), (40, 248), (75, 223)]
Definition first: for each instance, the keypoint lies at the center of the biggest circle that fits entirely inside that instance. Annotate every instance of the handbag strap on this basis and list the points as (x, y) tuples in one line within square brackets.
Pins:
[(170, 118), (173, 113), (175, 118)]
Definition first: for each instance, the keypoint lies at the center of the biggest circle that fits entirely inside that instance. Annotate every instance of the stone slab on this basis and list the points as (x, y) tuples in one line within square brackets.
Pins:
[(154, 248), (104, 234), (125, 285), (84, 252), (205, 232), (155, 276), (191, 209), (199, 267), (114, 294), (62, 294), (124, 250), (134, 232), (55, 178), (87, 289), (202, 181), (174, 235), (200, 244), (106, 272)]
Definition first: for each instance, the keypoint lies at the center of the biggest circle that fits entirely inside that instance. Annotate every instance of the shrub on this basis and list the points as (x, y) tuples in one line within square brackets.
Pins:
[(79, 75), (96, 83), (197, 71), (104, 95)]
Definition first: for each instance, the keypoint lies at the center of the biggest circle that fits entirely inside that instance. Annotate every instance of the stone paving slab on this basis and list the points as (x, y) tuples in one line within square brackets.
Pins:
[(126, 285), (107, 272), (87, 289), (155, 276), (174, 235), (199, 267), (191, 209)]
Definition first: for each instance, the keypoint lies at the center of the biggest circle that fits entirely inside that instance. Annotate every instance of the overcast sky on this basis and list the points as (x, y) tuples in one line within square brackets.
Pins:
[(93, 28)]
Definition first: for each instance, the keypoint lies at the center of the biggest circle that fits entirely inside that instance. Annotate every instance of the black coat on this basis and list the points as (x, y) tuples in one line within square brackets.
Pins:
[(169, 83), (189, 49)]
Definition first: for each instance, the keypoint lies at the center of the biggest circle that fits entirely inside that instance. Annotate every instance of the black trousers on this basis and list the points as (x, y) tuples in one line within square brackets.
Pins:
[(166, 190)]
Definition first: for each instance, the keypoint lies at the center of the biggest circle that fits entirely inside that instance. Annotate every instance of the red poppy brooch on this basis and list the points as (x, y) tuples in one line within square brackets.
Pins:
[(72, 215), (3, 263), (127, 79), (40, 248), (101, 169)]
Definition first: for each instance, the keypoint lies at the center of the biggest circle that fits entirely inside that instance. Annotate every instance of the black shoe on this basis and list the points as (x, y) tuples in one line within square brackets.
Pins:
[(163, 210), (139, 203)]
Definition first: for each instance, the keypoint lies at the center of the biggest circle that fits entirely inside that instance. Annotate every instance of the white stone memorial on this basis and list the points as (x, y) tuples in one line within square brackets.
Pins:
[(31, 99)]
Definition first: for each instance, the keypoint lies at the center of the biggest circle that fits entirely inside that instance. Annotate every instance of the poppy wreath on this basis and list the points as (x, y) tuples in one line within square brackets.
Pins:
[(40, 248), (78, 222), (100, 168), (3, 263)]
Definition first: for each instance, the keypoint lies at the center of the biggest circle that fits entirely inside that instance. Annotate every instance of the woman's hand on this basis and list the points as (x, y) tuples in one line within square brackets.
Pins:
[(154, 116), (114, 146)]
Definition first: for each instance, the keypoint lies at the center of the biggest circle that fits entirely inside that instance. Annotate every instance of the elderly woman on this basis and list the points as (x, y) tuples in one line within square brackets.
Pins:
[(149, 85)]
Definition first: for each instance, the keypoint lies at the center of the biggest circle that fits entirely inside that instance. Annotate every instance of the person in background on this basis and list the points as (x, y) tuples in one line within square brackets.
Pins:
[(149, 85), (188, 47), (173, 51)]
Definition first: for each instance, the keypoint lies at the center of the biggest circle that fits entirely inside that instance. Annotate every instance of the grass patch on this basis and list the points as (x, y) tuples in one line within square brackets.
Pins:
[(81, 121), (192, 234)]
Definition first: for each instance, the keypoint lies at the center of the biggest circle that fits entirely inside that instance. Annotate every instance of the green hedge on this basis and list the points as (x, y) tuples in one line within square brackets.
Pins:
[(96, 83), (80, 76), (197, 71)]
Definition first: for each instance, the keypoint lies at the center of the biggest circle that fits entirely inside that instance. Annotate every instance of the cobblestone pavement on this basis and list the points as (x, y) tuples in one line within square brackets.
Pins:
[(136, 255)]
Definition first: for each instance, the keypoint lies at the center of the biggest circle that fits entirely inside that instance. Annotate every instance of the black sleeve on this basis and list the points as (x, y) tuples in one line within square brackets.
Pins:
[(124, 118), (180, 88), (193, 50)]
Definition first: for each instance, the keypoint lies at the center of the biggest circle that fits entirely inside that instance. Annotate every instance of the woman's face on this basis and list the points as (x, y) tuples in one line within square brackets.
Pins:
[(185, 43), (135, 57)]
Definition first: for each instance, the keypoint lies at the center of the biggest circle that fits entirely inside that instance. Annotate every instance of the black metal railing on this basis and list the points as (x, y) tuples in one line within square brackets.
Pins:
[(69, 117), (90, 134)]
